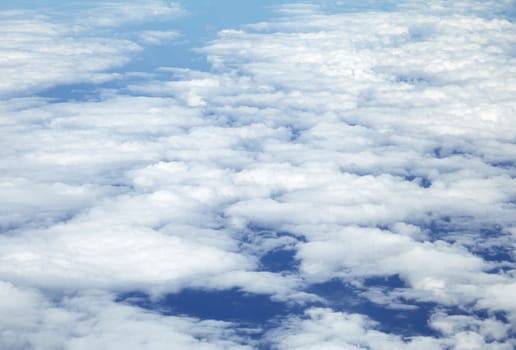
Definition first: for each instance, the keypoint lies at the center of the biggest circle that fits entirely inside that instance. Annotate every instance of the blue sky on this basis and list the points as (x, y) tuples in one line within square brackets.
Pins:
[(257, 175)]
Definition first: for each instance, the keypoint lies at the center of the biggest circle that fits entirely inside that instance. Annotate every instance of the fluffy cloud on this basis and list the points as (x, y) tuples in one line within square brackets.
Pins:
[(324, 329), (368, 144), (94, 319)]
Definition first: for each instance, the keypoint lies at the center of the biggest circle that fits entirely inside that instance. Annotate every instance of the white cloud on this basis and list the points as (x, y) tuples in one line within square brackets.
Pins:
[(378, 143), (451, 325), (39, 54), (44, 50), (95, 320), (114, 13), (325, 329), (25, 202), (154, 37)]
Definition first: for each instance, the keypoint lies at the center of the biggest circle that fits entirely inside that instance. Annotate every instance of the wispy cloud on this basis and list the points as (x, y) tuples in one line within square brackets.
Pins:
[(41, 51), (153, 37)]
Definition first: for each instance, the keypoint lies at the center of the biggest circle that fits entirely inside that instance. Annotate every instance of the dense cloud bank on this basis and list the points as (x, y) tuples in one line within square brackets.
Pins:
[(372, 151)]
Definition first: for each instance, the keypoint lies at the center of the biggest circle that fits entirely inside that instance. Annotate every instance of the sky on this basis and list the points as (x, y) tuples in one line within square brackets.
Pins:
[(323, 174)]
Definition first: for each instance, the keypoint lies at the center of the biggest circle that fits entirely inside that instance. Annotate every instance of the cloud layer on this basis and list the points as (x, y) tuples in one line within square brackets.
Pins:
[(367, 146)]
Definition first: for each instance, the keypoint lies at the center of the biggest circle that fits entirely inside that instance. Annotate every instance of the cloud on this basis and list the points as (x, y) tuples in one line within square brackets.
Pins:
[(368, 144), (51, 55), (95, 319), (115, 13), (42, 50), (323, 328), (153, 37)]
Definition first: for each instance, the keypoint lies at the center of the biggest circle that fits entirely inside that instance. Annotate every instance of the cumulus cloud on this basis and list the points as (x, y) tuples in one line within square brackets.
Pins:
[(323, 328), (94, 319), (368, 144)]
